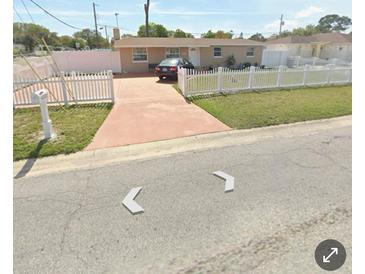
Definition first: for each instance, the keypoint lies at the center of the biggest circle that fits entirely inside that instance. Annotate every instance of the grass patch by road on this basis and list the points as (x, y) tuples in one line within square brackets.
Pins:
[(258, 109), (75, 127)]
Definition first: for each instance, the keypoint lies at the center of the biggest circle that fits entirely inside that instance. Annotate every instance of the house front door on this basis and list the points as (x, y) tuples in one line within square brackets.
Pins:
[(194, 56)]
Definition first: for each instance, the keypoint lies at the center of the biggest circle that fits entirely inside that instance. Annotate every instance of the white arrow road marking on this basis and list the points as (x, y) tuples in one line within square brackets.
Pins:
[(229, 186), (129, 202), (334, 251)]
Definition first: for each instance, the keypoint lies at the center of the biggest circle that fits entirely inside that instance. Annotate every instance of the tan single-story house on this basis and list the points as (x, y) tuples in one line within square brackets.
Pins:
[(321, 45), (143, 54)]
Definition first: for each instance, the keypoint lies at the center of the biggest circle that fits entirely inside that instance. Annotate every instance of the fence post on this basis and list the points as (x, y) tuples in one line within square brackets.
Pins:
[(305, 71), (183, 81), (64, 88), (250, 77), (350, 75), (278, 80), (220, 70), (73, 83), (314, 61), (329, 70), (298, 61), (111, 85)]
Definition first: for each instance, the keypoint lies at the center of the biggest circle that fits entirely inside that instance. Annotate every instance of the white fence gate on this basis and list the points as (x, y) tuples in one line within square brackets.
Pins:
[(194, 82), (274, 58), (76, 87)]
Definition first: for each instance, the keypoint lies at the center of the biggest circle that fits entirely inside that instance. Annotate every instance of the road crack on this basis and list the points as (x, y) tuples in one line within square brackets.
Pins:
[(249, 256)]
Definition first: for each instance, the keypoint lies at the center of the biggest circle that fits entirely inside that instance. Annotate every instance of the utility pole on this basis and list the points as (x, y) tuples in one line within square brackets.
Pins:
[(146, 11), (116, 18), (281, 23), (96, 24)]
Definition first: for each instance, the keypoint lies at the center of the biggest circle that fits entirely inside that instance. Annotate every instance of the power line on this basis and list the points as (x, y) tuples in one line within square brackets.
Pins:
[(16, 12), (50, 14), (31, 18)]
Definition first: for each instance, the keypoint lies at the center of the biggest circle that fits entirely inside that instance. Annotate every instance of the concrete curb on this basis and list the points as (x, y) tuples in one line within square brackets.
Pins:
[(102, 157)]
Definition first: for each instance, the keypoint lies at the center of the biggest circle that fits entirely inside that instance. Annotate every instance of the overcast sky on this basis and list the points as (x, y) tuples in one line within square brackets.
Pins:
[(248, 16)]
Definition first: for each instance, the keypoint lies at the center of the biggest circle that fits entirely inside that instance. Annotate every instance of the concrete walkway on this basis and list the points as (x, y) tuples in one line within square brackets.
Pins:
[(148, 110)]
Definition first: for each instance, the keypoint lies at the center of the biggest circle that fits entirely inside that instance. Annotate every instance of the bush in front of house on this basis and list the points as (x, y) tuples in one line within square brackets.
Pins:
[(231, 61)]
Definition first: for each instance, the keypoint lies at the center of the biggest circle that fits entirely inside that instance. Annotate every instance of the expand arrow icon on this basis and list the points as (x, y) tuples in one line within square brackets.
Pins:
[(129, 202), (229, 185), (334, 251)]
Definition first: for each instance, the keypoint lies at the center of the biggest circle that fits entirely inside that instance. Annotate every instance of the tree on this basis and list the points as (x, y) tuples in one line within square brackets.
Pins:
[(30, 35), (155, 30), (160, 31), (71, 42), (328, 23), (284, 33), (334, 22), (223, 35), (181, 34), (219, 34), (85, 34), (258, 37), (66, 40), (306, 31), (92, 40), (146, 11), (209, 34)]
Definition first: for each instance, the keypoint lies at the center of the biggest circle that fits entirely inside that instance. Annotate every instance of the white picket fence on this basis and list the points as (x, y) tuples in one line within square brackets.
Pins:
[(194, 82), (76, 87)]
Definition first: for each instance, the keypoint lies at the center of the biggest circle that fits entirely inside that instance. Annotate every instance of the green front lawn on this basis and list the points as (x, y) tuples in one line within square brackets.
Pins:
[(75, 127), (258, 109)]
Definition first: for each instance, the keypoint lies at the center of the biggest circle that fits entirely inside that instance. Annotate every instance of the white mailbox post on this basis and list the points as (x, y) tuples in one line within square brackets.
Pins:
[(40, 96)]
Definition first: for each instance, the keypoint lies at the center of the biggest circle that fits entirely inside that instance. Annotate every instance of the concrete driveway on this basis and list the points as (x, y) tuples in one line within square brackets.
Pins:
[(148, 110)]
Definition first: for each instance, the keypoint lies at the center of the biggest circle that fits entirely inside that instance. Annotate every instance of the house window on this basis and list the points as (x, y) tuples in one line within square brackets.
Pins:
[(172, 52), (139, 55), (217, 52), (250, 52)]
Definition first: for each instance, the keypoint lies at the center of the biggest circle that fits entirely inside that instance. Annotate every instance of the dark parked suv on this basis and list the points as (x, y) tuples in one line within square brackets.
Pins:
[(168, 67)]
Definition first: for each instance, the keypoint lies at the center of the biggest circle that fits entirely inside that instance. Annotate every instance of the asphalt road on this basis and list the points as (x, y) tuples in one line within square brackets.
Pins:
[(290, 194)]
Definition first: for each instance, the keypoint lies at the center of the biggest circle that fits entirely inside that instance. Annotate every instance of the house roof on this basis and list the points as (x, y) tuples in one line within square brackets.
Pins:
[(332, 37), (131, 42)]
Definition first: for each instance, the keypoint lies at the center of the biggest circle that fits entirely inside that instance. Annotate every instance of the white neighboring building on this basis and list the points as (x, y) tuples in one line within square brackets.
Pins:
[(323, 45)]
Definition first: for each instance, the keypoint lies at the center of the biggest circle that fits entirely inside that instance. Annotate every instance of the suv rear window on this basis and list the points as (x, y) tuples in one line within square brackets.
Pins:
[(169, 62)]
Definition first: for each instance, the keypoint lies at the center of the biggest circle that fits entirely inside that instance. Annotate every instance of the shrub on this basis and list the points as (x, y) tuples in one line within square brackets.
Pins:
[(231, 61)]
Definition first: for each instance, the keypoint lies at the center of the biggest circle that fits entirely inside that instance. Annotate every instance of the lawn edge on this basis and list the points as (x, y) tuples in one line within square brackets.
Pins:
[(110, 156)]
